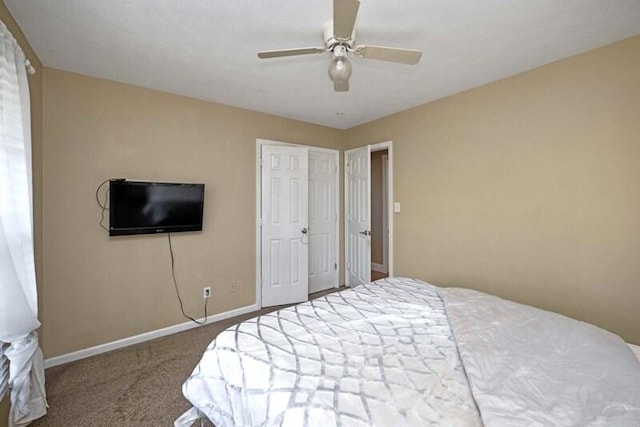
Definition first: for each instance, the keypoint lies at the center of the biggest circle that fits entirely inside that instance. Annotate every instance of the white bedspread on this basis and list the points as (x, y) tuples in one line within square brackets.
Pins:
[(389, 354), (530, 367), (380, 354)]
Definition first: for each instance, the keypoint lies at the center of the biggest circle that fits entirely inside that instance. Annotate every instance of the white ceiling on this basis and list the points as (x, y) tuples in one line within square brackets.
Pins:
[(206, 49)]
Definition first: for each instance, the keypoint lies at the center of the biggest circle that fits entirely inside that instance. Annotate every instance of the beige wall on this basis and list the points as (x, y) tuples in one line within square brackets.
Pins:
[(527, 188), (35, 87), (99, 289)]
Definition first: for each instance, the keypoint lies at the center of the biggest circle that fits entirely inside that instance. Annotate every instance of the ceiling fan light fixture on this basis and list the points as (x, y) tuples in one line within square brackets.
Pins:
[(340, 69)]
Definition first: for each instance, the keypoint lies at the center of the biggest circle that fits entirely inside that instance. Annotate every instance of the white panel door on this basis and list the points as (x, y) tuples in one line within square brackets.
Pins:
[(284, 219), (323, 217), (358, 216)]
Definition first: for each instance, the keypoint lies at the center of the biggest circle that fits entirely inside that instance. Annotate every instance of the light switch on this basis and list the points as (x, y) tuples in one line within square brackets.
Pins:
[(396, 207)]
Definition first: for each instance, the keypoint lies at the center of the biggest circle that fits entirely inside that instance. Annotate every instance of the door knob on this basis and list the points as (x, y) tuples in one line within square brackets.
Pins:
[(366, 232), (304, 230)]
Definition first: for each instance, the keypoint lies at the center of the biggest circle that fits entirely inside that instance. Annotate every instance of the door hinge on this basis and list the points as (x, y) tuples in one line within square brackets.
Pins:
[(335, 266), (260, 162), (260, 222)]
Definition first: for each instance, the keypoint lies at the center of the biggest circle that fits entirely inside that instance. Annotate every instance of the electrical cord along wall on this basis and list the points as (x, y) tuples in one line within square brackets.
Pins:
[(103, 206)]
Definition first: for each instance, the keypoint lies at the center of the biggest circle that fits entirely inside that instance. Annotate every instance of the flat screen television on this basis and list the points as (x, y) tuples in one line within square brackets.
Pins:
[(137, 207)]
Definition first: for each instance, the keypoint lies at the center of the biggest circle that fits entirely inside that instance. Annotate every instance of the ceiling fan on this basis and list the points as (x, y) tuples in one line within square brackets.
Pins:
[(339, 39)]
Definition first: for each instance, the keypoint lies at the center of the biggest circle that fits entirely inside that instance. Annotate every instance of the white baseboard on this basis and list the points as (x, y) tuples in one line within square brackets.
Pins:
[(147, 336), (379, 268)]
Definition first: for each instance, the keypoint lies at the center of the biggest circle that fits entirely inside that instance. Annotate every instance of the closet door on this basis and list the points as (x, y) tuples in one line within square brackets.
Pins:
[(284, 225), (323, 219)]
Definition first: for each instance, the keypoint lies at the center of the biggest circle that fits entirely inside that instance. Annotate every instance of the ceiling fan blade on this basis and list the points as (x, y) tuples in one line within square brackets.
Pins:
[(290, 52), (344, 18), (341, 86), (402, 56)]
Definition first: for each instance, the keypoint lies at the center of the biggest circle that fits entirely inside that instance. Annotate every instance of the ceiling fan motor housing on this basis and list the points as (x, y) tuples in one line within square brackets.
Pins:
[(331, 41)]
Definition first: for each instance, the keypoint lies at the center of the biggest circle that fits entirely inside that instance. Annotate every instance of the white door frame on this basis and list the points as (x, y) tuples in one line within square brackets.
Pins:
[(386, 145), (258, 268)]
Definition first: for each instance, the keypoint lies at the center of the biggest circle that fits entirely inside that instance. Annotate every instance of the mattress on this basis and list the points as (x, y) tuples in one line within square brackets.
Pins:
[(403, 352)]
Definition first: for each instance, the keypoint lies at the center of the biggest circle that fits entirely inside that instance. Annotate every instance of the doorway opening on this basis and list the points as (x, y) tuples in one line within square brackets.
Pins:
[(379, 215)]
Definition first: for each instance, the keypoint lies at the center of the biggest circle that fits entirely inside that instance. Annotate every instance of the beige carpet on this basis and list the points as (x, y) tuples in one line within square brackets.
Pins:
[(4, 411), (134, 386)]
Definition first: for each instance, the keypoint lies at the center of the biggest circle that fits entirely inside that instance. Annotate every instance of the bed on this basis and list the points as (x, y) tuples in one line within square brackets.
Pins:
[(402, 352)]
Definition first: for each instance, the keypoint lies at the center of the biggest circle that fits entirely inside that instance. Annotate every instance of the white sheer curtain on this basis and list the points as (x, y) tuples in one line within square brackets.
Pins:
[(18, 296)]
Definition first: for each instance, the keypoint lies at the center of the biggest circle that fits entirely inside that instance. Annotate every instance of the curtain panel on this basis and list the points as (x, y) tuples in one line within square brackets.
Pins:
[(18, 294)]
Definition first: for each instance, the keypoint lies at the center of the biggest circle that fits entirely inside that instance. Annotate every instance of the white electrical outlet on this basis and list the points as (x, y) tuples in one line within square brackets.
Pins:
[(206, 292), (234, 287)]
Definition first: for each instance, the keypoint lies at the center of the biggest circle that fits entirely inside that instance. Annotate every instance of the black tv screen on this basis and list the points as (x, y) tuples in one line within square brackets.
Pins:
[(137, 207)]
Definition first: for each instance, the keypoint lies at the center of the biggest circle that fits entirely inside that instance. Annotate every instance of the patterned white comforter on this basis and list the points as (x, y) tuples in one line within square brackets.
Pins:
[(382, 354)]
